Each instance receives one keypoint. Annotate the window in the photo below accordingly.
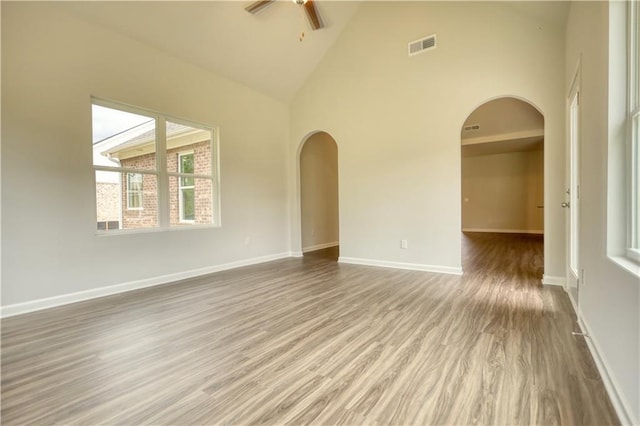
(187, 188)
(103, 226)
(152, 171)
(190, 166)
(134, 191)
(633, 130)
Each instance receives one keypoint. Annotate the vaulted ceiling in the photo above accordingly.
(262, 51)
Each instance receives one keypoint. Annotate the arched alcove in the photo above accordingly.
(319, 218)
(502, 146)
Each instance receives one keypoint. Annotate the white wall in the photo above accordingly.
(51, 64)
(319, 191)
(609, 296)
(502, 192)
(398, 119)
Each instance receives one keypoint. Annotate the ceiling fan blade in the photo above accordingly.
(311, 11)
(257, 6)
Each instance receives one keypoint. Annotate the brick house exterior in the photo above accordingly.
(203, 188)
(148, 215)
(107, 195)
(190, 203)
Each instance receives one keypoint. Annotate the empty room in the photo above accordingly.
(320, 212)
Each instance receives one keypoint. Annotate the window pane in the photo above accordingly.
(186, 181)
(112, 198)
(107, 198)
(635, 184)
(187, 204)
(190, 204)
(134, 190)
(186, 163)
(188, 149)
(635, 54)
(123, 139)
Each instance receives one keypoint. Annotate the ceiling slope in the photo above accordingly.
(265, 51)
(262, 51)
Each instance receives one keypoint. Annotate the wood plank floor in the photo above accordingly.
(310, 341)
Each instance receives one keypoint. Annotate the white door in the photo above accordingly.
(572, 203)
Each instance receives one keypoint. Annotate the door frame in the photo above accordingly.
(572, 185)
(545, 185)
(296, 240)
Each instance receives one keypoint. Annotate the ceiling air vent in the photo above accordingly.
(472, 127)
(422, 45)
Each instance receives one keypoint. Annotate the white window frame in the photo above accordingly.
(161, 173)
(633, 131)
(139, 191)
(181, 218)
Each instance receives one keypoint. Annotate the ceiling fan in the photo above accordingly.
(309, 7)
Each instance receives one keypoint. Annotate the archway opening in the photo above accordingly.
(319, 208)
(502, 146)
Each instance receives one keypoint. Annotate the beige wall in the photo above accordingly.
(52, 63)
(609, 297)
(319, 191)
(502, 192)
(398, 119)
(503, 116)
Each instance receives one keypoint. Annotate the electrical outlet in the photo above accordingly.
(247, 241)
(313, 232)
(403, 244)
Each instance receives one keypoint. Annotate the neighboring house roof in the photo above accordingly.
(150, 133)
(140, 140)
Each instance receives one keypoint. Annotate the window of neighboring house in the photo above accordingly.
(192, 170)
(142, 155)
(186, 190)
(134, 191)
(633, 126)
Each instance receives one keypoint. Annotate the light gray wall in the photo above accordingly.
(609, 295)
(51, 64)
(502, 192)
(398, 119)
(319, 191)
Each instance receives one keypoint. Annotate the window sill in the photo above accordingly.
(184, 227)
(127, 232)
(634, 255)
(627, 264)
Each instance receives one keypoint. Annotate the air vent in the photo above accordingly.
(422, 45)
(472, 127)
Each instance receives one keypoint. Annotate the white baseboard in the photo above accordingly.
(401, 265)
(620, 404)
(550, 280)
(319, 247)
(64, 299)
(505, 231)
(295, 254)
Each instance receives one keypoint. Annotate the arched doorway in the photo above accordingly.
(319, 219)
(502, 146)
